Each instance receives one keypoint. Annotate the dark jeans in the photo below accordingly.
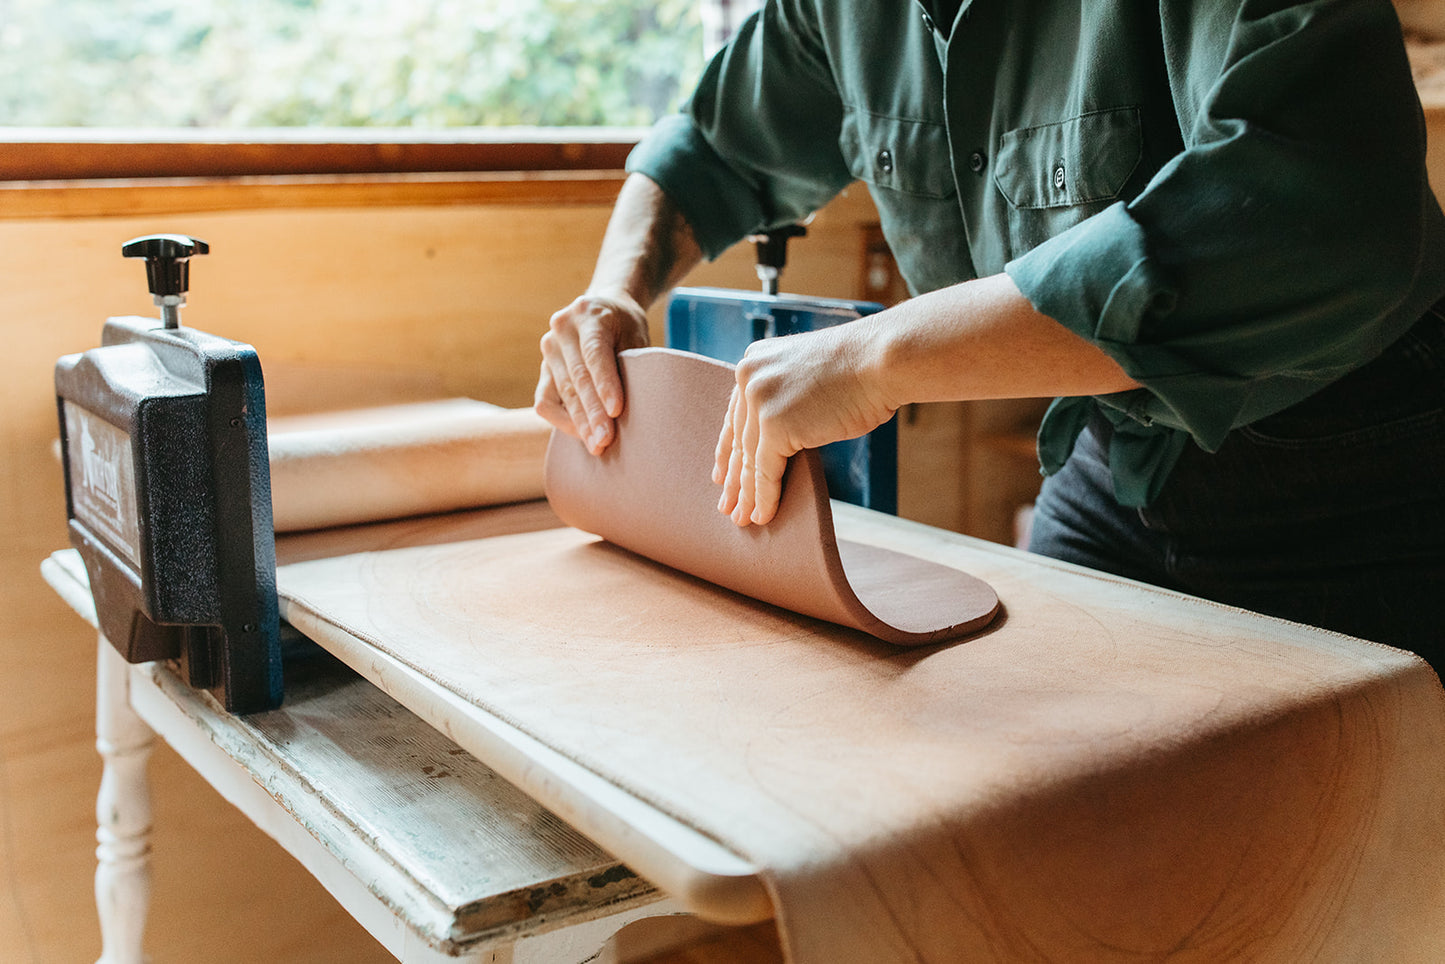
(1330, 513)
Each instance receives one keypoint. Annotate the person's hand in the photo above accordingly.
(793, 393)
(579, 390)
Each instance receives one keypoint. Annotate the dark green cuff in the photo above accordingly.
(719, 206)
(1097, 280)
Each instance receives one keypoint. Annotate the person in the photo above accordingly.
(1204, 226)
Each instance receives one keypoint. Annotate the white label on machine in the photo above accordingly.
(102, 480)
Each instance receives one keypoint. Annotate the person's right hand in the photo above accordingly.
(579, 390)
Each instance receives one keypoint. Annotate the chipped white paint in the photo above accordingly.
(435, 855)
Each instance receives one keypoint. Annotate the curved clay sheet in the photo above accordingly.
(652, 492)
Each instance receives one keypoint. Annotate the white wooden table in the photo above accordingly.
(435, 854)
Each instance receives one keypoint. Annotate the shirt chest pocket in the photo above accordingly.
(905, 164)
(897, 154)
(1055, 175)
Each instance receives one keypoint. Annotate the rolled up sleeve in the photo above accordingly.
(1292, 240)
(718, 205)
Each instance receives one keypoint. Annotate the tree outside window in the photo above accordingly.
(281, 63)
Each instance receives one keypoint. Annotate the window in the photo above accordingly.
(386, 63)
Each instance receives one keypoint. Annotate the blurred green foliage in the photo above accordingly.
(401, 63)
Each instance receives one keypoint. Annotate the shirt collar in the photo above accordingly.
(940, 15)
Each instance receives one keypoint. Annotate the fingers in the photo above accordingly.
(723, 453)
(548, 404)
(599, 357)
(747, 446)
(748, 463)
(767, 480)
(569, 385)
(585, 395)
(730, 455)
(579, 389)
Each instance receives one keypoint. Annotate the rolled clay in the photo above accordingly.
(651, 492)
(364, 465)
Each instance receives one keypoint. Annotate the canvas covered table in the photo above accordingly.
(1112, 772)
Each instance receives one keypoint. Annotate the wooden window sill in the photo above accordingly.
(70, 153)
(81, 172)
(161, 196)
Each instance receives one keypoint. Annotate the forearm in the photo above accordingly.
(980, 339)
(647, 249)
(648, 246)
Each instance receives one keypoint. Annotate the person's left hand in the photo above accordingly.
(793, 393)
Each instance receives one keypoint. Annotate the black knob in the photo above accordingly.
(773, 245)
(168, 259)
(168, 269)
(773, 253)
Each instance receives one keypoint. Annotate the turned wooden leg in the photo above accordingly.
(122, 813)
(588, 943)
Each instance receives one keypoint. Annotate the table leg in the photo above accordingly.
(587, 943)
(122, 813)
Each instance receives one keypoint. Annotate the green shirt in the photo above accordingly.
(1229, 197)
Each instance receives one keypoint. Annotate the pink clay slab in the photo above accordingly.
(652, 492)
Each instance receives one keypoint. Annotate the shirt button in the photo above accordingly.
(976, 161)
(1059, 177)
(885, 161)
(928, 22)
